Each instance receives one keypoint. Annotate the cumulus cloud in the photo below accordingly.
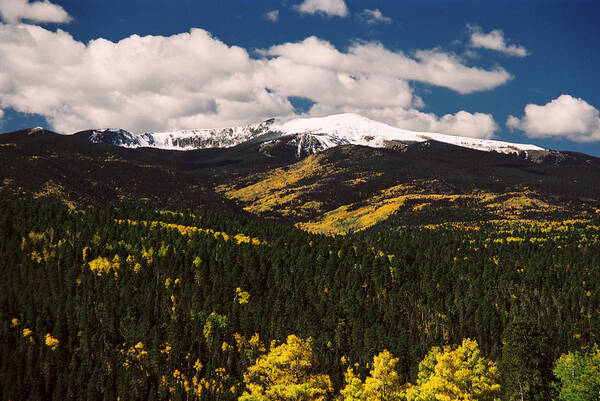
(476, 125)
(193, 80)
(14, 11)
(374, 17)
(564, 117)
(330, 8)
(494, 40)
(1, 116)
(272, 16)
(429, 66)
(138, 83)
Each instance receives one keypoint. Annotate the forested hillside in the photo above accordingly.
(342, 189)
(124, 302)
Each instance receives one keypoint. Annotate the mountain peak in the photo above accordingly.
(360, 130)
(326, 132)
(348, 120)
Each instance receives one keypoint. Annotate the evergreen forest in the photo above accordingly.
(130, 302)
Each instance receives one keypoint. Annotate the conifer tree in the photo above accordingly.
(526, 364)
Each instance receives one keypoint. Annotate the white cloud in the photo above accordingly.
(272, 16)
(429, 66)
(330, 8)
(138, 83)
(564, 117)
(14, 11)
(1, 116)
(374, 17)
(494, 40)
(476, 125)
(336, 88)
(193, 80)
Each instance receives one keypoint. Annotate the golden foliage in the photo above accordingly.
(281, 190)
(192, 230)
(242, 297)
(51, 341)
(382, 384)
(102, 266)
(286, 373)
(278, 179)
(380, 207)
(460, 374)
(55, 190)
(287, 192)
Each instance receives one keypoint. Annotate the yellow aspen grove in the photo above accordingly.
(383, 382)
(354, 388)
(460, 374)
(102, 265)
(287, 372)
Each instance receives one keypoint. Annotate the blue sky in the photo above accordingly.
(206, 81)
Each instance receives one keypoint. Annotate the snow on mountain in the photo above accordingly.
(309, 135)
(207, 138)
(359, 130)
(181, 140)
(115, 136)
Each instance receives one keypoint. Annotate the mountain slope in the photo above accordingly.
(350, 188)
(339, 189)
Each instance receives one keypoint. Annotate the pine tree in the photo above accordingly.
(526, 365)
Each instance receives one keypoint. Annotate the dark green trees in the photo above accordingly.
(526, 364)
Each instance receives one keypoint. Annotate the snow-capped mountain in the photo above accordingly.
(308, 135)
(358, 130)
(180, 140)
(115, 136)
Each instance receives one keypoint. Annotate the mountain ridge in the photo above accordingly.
(309, 135)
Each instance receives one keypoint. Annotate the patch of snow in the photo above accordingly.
(35, 130)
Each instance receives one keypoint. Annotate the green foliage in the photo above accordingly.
(526, 364)
(214, 323)
(579, 375)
